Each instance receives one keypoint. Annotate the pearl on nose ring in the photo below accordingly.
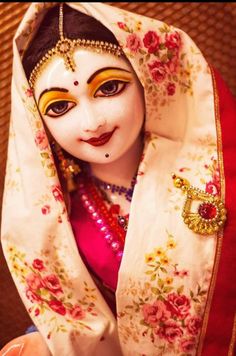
(107, 155)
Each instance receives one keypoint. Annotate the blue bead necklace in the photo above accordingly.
(113, 188)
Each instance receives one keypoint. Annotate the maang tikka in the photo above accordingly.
(65, 48)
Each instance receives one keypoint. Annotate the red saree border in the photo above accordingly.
(219, 235)
(232, 342)
(219, 329)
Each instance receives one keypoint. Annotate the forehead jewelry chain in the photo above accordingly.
(61, 22)
(65, 48)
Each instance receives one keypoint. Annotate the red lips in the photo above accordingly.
(101, 140)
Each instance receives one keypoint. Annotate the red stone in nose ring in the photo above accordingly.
(107, 155)
(76, 82)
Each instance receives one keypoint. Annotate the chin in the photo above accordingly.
(97, 155)
(102, 159)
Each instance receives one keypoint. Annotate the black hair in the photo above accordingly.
(75, 25)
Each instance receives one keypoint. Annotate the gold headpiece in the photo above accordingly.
(65, 48)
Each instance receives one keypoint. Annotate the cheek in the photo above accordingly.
(127, 108)
(132, 111)
(60, 130)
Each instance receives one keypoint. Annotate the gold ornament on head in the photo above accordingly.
(65, 48)
(211, 214)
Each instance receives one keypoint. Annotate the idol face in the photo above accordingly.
(95, 113)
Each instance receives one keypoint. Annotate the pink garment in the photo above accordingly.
(93, 248)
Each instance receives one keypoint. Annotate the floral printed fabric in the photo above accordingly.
(49, 291)
(170, 314)
(163, 285)
(160, 54)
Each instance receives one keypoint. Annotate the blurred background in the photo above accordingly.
(213, 28)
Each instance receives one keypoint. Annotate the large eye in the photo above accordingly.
(110, 88)
(59, 108)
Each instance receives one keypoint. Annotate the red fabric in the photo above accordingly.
(94, 250)
(223, 307)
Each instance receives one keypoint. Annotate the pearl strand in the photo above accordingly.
(113, 234)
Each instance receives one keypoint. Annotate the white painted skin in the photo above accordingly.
(92, 114)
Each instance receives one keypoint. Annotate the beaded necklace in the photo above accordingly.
(108, 221)
(113, 188)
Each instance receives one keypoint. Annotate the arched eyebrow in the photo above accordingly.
(102, 70)
(53, 89)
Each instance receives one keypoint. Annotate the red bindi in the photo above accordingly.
(76, 82)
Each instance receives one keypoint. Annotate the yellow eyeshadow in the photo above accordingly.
(53, 97)
(107, 75)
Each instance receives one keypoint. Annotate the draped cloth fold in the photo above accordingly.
(174, 286)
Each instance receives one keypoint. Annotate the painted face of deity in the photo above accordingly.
(99, 108)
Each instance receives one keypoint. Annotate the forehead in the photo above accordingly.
(87, 62)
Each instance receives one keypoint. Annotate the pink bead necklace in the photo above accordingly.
(111, 225)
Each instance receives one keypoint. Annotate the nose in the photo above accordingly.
(91, 121)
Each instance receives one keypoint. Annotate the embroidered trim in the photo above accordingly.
(220, 234)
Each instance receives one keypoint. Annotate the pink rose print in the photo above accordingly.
(77, 312)
(172, 64)
(170, 89)
(133, 42)
(193, 325)
(181, 274)
(172, 41)
(29, 92)
(157, 70)
(154, 313)
(183, 169)
(170, 331)
(41, 139)
(46, 209)
(34, 281)
(57, 193)
(151, 41)
(38, 264)
(216, 176)
(122, 26)
(45, 291)
(33, 297)
(187, 345)
(52, 283)
(57, 306)
(212, 188)
(36, 312)
(178, 305)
